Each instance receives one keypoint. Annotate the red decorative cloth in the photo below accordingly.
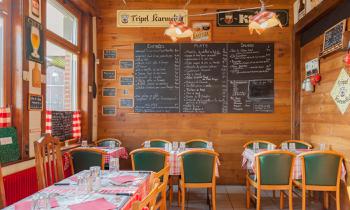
(262, 17)
(5, 117)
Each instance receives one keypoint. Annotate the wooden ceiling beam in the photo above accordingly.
(87, 6)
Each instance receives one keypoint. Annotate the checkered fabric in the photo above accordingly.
(76, 130)
(261, 17)
(5, 117)
(118, 152)
(48, 120)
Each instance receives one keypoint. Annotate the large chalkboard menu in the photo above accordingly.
(204, 78)
(62, 125)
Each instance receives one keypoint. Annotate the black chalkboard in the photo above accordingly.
(108, 74)
(35, 102)
(62, 125)
(333, 37)
(204, 78)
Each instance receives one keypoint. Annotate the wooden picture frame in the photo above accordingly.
(111, 112)
(31, 106)
(103, 76)
(109, 91)
(339, 44)
(124, 103)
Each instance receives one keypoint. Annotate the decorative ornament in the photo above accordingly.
(341, 91)
(178, 30)
(347, 58)
(263, 20)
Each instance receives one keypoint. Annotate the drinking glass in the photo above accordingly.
(84, 143)
(147, 144)
(182, 145)
(284, 146)
(292, 147)
(323, 147)
(95, 171)
(114, 165)
(256, 147)
(35, 41)
(41, 202)
(112, 145)
(210, 145)
(175, 145)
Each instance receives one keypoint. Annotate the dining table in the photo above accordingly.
(248, 162)
(116, 190)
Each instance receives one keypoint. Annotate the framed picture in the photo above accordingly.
(299, 10)
(34, 43)
(126, 80)
(333, 38)
(202, 31)
(109, 54)
(126, 64)
(126, 103)
(35, 102)
(109, 110)
(312, 67)
(35, 10)
(109, 91)
(108, 75)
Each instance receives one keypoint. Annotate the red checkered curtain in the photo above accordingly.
(76, 124)
(48, 126)
(5, 117)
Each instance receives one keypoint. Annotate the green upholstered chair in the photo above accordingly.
(298, 144)
(148, 159)
(106, 142)
(197, 143)
(83, 158)
(262, 144)
(158, 143)
(321, 171)
(274, 171)
(198, 171)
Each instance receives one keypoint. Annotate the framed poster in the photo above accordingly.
(299, 10)
(126, 103)
(333, 38)
(312, 67)
(109, 91)
(35, 102)
(202, 31)
(35, 10)
(108, 74)
(34, 40)
(109, 54)
(126, 64)
(126, 80)
(109, 110)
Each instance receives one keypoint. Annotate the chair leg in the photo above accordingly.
(281, 200)
(247, 194)
(325, 200)
(303, 203)
(171, 190)
(337, 198)
(208, 199)
(179, 195)
(183, 192)
(274, 194)
(290, 198)
(163, 206)
(213, 197)
(258, 199)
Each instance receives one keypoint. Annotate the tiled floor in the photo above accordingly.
(233, 197)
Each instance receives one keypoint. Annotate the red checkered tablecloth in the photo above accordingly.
(248, 162)
(118, 152)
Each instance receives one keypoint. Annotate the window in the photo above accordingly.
(4, 57)
(62, 56)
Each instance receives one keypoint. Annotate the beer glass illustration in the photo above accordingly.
(35, 39)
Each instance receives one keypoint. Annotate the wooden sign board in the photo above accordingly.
(126, 64)
(333, 38)
(109, 54)
(108, 74)
(34, 40)
(126, 81)
(35, 102)
(126, 103)
(109, 91)
(202, 31)
(109, 110)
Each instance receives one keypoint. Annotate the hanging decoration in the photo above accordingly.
(347, 58)
(263, 20)
(178, 30)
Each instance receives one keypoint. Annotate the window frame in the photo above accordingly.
(66, 45)
(5, 13)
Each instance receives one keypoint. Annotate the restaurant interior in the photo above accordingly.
(174, 104)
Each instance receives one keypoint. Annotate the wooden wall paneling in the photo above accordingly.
(227, 131)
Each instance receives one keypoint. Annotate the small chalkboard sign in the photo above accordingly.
(35, 102)
(109, 91)
(126, 64)
(126, 81)
(109, 110)
(108, 74)
(109, 54)
(126, 103)
(333, 38)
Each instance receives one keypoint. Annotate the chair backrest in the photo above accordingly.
(274, 167)
(198, 166)
(262, 144)
(2, 191)
(148, 159)
(83, 158)
(163, 175)
(48, 161)
(106, 142)
(158, 142)
(298, 144)
(197, 143)
(149, 202)
(321, 168)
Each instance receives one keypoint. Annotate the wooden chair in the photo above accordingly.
(48, 161)
(274, 171)
(197, 143)
(163, 176)
(149, 202)
(262, 144)
(157, 143)
(2, 191)
(83, 158)
(321, 171)
(106, 142)
(198, 171)
(298, 144)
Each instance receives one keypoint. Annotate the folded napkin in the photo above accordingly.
(27, 205)
(123, 179)
(100, 204)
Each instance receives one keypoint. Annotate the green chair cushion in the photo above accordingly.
(9, 152)
(321, 169)
(275, 169)
(262, 145)
(196, 144)
(198, 167)
(149, 161)
(157, 143)
(83, 160)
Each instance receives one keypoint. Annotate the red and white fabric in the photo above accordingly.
(118, 152)
(48, 120)
(248, 162)
(5, 117)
